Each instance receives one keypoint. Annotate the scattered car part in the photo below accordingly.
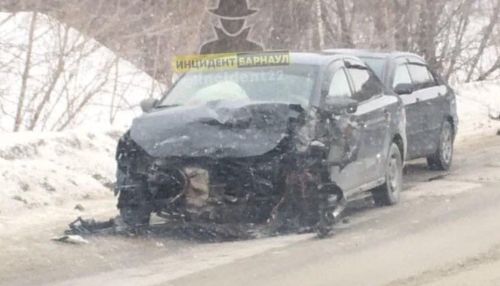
(91, 226)
(71, 239)
(439, 177)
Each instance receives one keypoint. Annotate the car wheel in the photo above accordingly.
(389, 192)
(135, 216)
(441, 160)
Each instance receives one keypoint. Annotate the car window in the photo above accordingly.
(339, 85)
(421, 76)
(434, 79)
(365, 83)
(376, 64)
(401, 76)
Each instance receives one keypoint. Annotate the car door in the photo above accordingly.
(345, 131)
(374, 111)
(415, 118)
(430, 96)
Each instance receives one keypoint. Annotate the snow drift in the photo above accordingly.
(478, 105)
(42, 169)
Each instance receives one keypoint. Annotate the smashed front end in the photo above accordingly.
(227, 163)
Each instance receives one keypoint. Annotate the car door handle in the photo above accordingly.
(360, 123)
(387, 114)
(418, 99)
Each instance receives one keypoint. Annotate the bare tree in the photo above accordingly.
(150, 32)
(345, 31)
(25, 76)
(55, 86)
(486, 35)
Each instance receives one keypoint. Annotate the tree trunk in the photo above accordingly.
(484, 41)
(345, 33)
(24, 80)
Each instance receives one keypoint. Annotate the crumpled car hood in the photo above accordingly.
(220, 129)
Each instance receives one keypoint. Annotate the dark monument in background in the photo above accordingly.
(232, 35)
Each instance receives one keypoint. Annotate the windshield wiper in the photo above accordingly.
(166, 106)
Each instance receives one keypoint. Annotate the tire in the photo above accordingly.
(389, 193)
(135, 216)
(134, 208)
(442, 159)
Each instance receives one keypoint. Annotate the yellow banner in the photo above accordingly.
(216, 62)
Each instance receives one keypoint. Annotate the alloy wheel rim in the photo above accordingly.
(393, 176)
(446, 145)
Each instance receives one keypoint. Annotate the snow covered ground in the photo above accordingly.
(49, 169)
(478, 103)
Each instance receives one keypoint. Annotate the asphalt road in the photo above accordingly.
(446, 231)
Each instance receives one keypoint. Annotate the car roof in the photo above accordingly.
(318, 59)
(372, 53)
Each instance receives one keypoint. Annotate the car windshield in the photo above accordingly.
(293, 84)
(376, 64)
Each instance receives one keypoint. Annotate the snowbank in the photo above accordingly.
(42, 169)
(478, 103)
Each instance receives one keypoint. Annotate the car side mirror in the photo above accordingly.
(148, 104)
(403, 88)
(338, 105)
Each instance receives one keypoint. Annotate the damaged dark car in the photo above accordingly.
(282, 146)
